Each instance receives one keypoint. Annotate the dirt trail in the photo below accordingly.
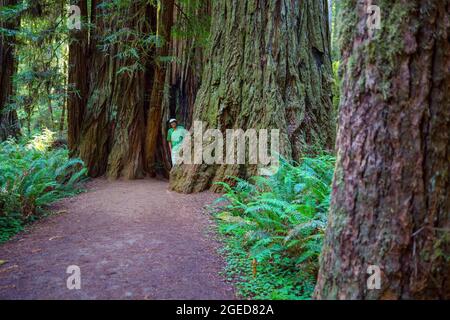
(131, 240)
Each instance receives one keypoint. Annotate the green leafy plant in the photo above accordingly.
(279, 222)
(32, 175)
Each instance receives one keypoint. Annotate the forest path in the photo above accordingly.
(131, 240)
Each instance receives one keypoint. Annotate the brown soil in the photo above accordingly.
(131, 240)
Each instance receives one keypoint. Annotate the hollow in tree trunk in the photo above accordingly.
(153, 135)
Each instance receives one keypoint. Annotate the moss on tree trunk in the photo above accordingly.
(390, 202)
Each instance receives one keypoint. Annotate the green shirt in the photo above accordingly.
(176, 136)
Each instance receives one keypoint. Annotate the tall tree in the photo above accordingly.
(9, 124)
(112, 137)
(390, 202)
(269, 67)
(78, 76)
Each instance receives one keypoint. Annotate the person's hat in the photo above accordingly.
(172, 120)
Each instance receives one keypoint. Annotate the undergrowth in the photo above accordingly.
(273, 229)
(32, 176)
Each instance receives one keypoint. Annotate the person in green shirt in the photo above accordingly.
(175, 138)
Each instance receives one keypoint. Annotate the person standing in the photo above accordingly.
(175, 138)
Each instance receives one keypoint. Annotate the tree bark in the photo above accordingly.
(113, 130)
(269, 68)
(9, 124)
(390, 201)
(78, 78)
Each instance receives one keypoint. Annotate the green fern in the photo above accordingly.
(31, 177)
(281, 216)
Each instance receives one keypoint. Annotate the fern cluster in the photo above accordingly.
(280, 220)
(32, 175)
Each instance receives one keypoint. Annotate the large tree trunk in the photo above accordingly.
(78, 77)
(9, 124)
(113, 130)
(269, 67)
(390, 202)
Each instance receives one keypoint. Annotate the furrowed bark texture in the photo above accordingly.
(269, 68)
(390, 200)
(78, 78)
(9, 124)
(113, 137)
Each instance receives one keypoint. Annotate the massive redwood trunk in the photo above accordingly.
(390, 202)
(78, 77)
(9, 124)
(269, 67)
(112, 138)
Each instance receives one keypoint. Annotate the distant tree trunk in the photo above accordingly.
(113, 128)
(62, 118)
(154, 118)
(65, 100)
(28, 107)
(390, 202)
(49, 105)
(78, 78)
(9, 124)
(269, 67)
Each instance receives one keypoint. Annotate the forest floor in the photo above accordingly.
(130, 239)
